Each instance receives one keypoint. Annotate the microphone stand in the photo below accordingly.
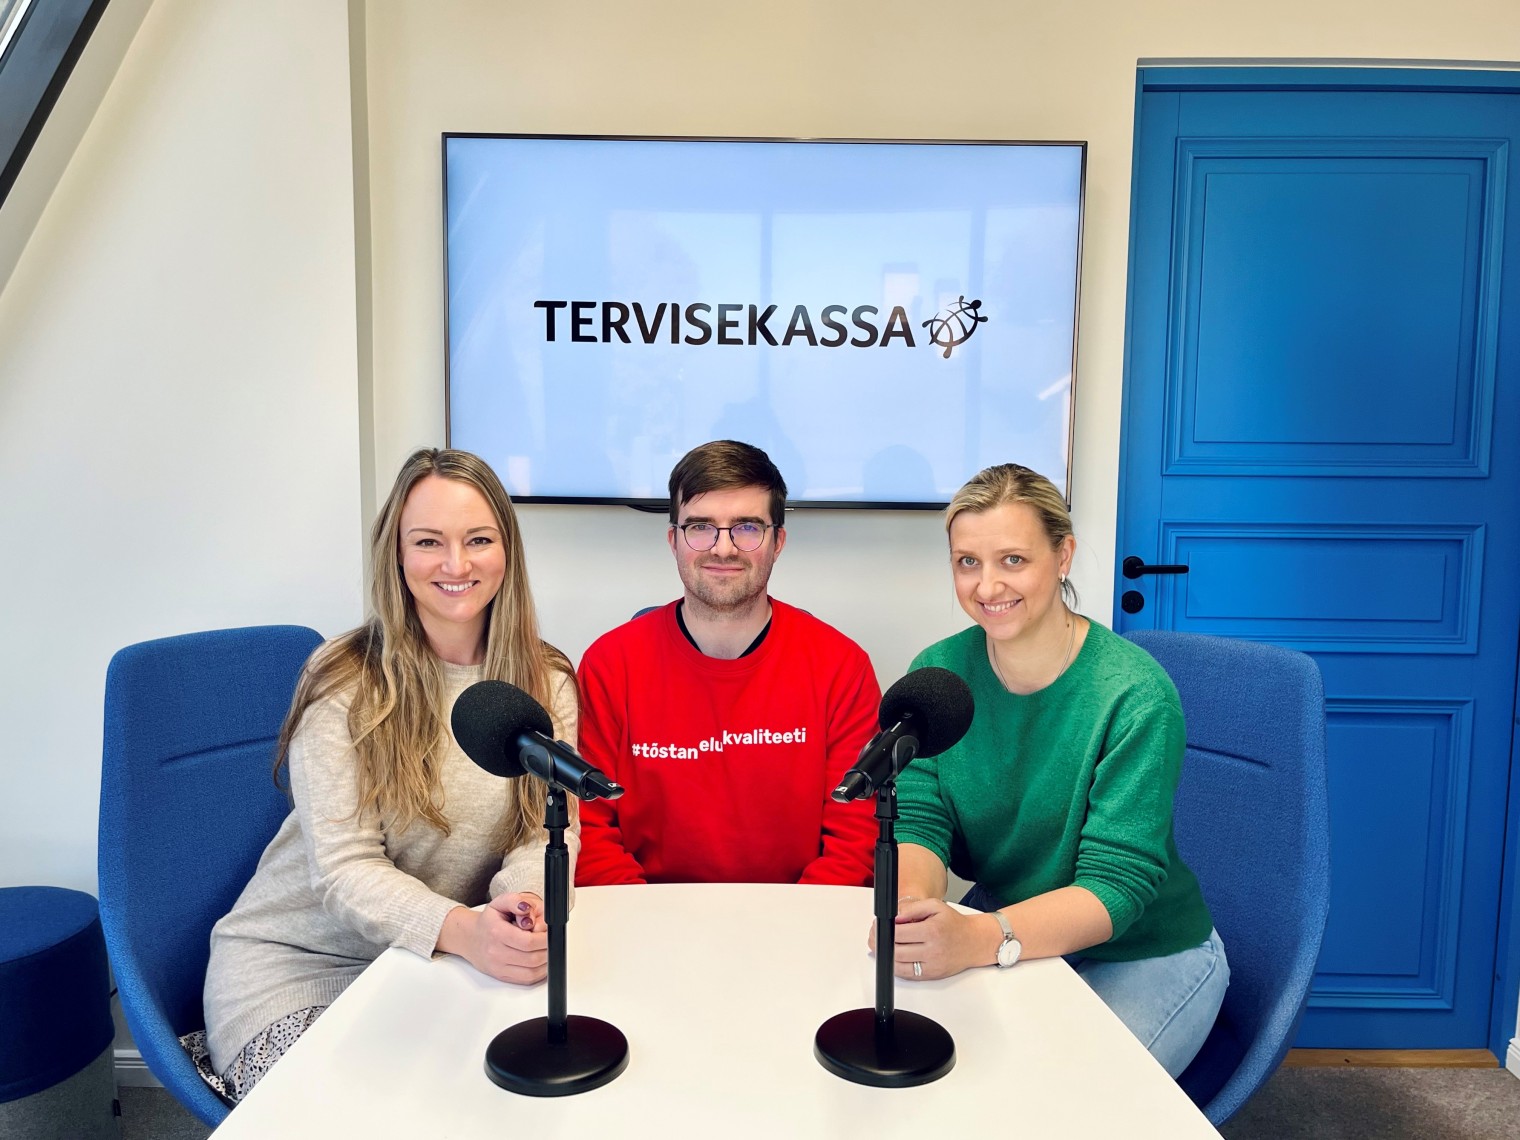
(886, 1047)
(560, 1054)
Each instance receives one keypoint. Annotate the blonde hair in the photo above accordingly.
(400, 735)
(1005, 483)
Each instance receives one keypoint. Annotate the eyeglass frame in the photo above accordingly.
(718, 530)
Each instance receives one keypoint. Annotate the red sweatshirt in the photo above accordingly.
(728, 764)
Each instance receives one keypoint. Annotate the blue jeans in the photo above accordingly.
(1169, 1003)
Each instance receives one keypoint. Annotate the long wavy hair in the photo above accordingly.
(400, 734)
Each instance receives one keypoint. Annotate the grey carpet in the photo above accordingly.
(152, 1114)
(1296, 1104)
(77, 1108)
(1382, 1104)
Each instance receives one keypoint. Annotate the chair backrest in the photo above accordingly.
(187, 806)
(1252, 821)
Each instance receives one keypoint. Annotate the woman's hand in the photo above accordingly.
(495, 942)
(871, 935)
(940, 939)
(524, 908)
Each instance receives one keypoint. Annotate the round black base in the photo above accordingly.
(522, 1060)
(910, 1050)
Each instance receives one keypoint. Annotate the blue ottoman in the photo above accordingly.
(56, 1075)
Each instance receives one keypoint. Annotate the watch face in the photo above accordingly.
(1008, 952)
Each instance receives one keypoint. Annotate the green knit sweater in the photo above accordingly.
(1071, 784)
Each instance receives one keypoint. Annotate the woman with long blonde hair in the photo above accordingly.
(394, 834)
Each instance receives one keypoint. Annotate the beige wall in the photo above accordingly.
(178, 435)
(844, 69)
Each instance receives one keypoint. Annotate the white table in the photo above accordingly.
(719, 989)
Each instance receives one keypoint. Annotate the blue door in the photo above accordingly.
(1321, 402)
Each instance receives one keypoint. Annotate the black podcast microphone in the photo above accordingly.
(925, 713)
(508, 733)
(930, 707)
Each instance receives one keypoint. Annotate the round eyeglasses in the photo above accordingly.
(745, 536)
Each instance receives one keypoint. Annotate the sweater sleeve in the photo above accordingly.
(923, 815)
(522, 868)
(846, 857)
(604, 700)
(345, 849)
(1122, 850)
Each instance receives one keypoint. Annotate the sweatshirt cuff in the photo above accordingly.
(524, 871)
(419, 933)
(516, 877)
(906, 835)
(1122, 910)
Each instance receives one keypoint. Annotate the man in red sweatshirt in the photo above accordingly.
(727, 714)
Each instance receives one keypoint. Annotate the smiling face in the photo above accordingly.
(453, 559)
(726, 578)
(1007, 572)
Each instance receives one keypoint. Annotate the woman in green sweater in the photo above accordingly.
(1058, 801)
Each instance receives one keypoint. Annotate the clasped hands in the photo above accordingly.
(507, 939)
(941, 939)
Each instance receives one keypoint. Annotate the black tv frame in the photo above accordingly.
(662, 505)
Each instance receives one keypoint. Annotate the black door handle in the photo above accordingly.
(1134, 567)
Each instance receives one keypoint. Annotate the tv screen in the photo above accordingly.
(883, 318)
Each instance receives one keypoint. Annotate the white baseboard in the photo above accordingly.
(133, 1073)
(1512, 1056)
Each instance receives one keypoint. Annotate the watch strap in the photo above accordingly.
(1002, 920)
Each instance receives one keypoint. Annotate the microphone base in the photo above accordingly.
(522, 1059)
(908, 1050)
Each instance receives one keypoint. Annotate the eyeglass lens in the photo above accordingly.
(744, 536)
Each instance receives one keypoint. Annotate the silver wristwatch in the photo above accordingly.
(1008, 953)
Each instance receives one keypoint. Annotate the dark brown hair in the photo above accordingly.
(723, 465)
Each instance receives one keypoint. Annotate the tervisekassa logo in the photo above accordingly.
(699, 323)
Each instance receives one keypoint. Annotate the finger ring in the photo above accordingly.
(918, 969)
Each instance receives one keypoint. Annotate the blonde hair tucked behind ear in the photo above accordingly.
(399, 733)
(996, 486)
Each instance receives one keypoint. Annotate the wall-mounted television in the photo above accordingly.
(884, 318)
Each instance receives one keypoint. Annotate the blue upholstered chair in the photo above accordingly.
(187, 805)
(1252, 821)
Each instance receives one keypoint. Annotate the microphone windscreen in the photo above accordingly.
(488, 718)
(938, 702)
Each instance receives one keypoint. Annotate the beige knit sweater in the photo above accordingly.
(332, 891)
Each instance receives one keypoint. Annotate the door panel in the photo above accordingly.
(1337, 231)
(1414, 751)
(1324, 342)
(1308, 585)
